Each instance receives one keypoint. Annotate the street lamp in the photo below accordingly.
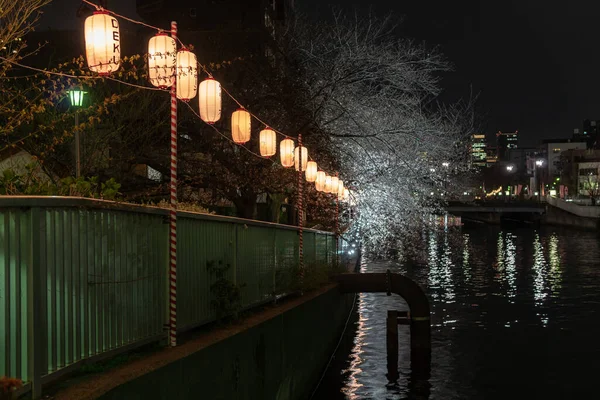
(510, 168)
(539, 163)
(76, 98)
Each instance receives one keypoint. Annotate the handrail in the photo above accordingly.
(84, 202)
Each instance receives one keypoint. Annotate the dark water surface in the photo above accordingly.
(515, 315)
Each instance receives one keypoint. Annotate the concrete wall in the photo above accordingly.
(573, 208)
(563, 213)
(281, 359)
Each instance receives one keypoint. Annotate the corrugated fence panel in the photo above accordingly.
(286, 267)
(14, 258)
(202, 246)
(102, 275)
(105, 281)
(255, 260)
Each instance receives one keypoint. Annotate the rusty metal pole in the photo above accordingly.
(392, 344)
(300, 211)
(337, 228)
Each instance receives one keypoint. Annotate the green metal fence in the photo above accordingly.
(81, 279)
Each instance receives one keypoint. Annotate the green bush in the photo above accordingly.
(34, 182)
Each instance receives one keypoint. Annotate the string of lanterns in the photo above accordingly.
(166, 63)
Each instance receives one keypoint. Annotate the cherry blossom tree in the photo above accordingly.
(374, 95)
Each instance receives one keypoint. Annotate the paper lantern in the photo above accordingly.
(268, 142)
(311, 171)
(334, 185)
(162, 58)
(187, 75)
(320, 182)
(304, 151)
(286, 152)
(340, 189)
(102, 43)
(240, 126)
(209, 100)
(327, 188)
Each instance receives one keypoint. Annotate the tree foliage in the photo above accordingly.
(374, 95)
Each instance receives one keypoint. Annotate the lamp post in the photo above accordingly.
(510, 169)
(538, 164)
(76, 98)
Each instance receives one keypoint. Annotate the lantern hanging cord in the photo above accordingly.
(81, 77)
(226, 137)
(229, 139)
(183, 45)
(207, 72)
(99, 8)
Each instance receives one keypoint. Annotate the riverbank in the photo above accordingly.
(277, 353)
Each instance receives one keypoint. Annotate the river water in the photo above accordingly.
(515, 315)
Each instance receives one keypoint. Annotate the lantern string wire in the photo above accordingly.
(201, 66)
(99, 8)
(242, 106)
(81, 77)
(231, 140)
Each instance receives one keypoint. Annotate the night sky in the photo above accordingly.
(534, 63)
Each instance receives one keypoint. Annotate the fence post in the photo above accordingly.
(274, 244)
(36, 331)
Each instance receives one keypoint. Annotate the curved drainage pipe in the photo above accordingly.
(417, 318)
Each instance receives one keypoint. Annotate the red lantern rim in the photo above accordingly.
(161, 33)
(101, 12)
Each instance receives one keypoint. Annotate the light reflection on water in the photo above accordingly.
(515, 314)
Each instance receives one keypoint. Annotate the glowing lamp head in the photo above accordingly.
(76, 97)
(209, 100)
(102, 43)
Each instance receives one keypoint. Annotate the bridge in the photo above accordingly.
(497, 212)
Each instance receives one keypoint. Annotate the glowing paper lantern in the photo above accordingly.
(297, 152)
(311, 171)
(240, 126)
(286, 152)
(209, 100)
(102, 43)
(187, 75)
(328, 185)
(162, 58)
(320, 182)
(340, 189)
(268, 142)
(334, 184)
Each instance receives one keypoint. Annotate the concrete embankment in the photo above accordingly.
(563, 213)
(278, 353)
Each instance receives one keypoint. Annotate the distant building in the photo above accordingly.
(589, 133)
(519, 157)
(570, 161)
(587, 179)
(506, 141)
(491, 153)
(477, 151)
(553, 148)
